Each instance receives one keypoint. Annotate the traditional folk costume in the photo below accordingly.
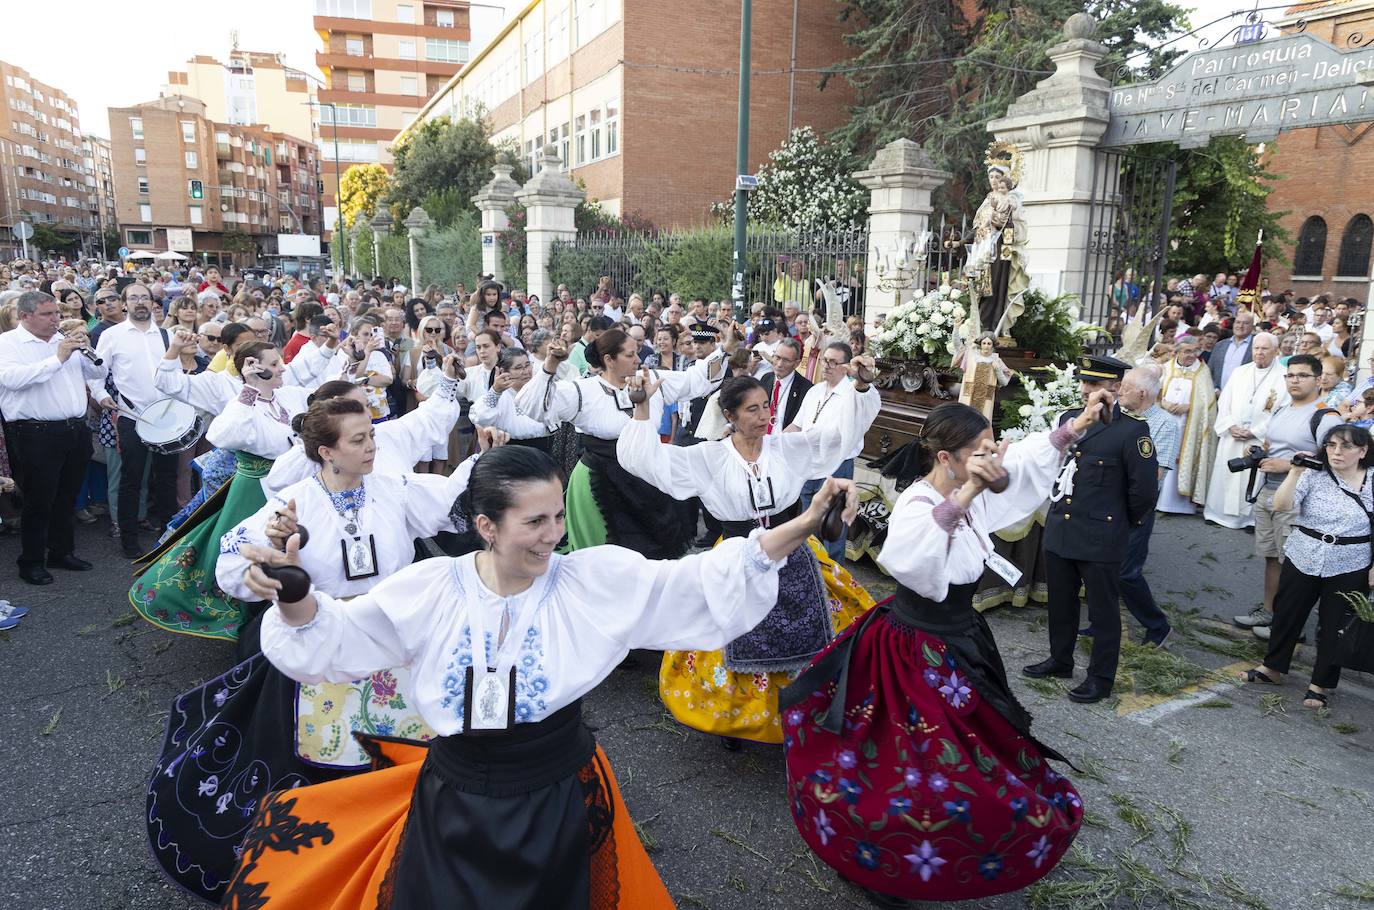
(910, 764)
(1250, 398)
(1190, 386)
(176, 590)
(733, 692)
(606, 503)
(253, 730)
(514, 808)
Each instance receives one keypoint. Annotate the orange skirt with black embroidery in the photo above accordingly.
(361, 843)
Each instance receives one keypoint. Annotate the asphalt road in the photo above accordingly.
(1237, 798)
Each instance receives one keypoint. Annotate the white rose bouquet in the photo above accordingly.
(923, 328)
(1049, 397)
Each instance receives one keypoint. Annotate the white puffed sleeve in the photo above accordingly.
(385, 628)
(1032, 464)
(310, 367)
(230, 566)
(411, 437)
(548, 399)
(292, 466)
(246, 427)
(498, 409)
(208, 392)
(702, 601)
(681, 472)
(929, 544)
(429, 498)
(697, 380)
(818, 450)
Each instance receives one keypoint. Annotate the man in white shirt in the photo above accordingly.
(43, 398)
(768, 333)
(614, 309)
(132, 350)
(1320, 323)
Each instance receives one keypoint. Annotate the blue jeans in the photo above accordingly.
(809, 489)
(1135, 590)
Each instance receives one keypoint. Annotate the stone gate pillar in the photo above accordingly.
(899, 181)
(550, 199)
(1058, 125)
(492, 200)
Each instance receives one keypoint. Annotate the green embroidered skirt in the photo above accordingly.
(176, 589)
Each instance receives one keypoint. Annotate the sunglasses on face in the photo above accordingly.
(434, 331)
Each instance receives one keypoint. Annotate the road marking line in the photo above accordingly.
(1147, 711)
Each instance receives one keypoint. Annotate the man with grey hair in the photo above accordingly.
(1252, 395)
(43, 399)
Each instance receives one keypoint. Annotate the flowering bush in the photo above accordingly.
(923, 327)
(1046, 399)
(805, 184)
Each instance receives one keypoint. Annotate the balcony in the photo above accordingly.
(369, 62)
(222, 150)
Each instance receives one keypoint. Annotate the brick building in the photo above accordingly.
(382, 59)
(42, 178)
(640, 99)
(95, 157)
(253, 183)
(253, 88)
(1329, 205)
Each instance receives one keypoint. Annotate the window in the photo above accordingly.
(405, 13)
(197, 215)
(407, 50)
(191, 161)
(410, 85)
(344, 9)
(444, 18)
(140, 156)
(145, 212)
(534, 56)
(357, 82)
(612, 127)
(136, 124)
(445, 50)
(142, 186)
(188, 131)
(1311, 251)
(1354, 258)
(596, 132)
(563, 146)
(558, 33)
(580, 131)
(349, 115)
(353, 47)
(140, 238)
(592, 17)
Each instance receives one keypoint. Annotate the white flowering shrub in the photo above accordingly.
(1047, 398)
(805, 185)
(922, 328)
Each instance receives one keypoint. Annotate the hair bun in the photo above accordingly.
(298, 423)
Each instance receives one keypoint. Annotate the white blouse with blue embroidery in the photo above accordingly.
(418, 619)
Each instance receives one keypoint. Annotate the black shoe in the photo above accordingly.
(1160, 642)
(1048, 667)
(71, 562)
(36, 575)
(132, 548)
(1090, 690)
(1087, 632)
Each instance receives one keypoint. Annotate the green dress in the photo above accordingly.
(176, 589)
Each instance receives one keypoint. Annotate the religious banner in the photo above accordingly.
(1248, 293)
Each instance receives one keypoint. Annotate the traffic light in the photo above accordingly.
(197, 189)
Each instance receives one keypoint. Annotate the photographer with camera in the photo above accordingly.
(1327, 556)
(1294, 427)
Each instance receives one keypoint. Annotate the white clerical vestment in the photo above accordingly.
(1248, 400)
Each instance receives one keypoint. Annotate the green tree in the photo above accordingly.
(444, 154)
(929, 72)
(805, 184)
(46, 238)
(360, 190)
(1220, 199)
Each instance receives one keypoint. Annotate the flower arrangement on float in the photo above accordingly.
(1048, 397)
(923, 328)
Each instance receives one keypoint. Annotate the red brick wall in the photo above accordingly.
(679, 128)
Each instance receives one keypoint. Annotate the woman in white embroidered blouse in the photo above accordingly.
(1326, 557)
(501, 646)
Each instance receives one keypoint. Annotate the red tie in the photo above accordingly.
(773, 406)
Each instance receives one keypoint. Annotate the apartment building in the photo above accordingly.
(640, 99)
(252, 88)
(42, 177)
(382, 60)
(218, 191)
(100, 200)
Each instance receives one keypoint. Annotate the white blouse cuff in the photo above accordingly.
(320, 617)
(754, 556)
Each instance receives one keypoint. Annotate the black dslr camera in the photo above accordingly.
(1250, 461)
(1303, 460)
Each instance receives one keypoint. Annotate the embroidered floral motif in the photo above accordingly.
(234, 539)
(531, 682)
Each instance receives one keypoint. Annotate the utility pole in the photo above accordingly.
(741, 161)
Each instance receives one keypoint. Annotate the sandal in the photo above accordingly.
(1323, 698)
(1256, 675)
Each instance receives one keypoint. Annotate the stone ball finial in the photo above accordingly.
(1080, 25)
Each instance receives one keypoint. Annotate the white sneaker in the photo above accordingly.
(10, 611)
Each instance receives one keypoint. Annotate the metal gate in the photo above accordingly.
(1128, 231)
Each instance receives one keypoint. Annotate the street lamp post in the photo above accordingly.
(741, 162)
(338, 174)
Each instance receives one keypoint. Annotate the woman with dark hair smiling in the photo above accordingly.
(751, 479)
(917, 692)
(513, 805)
(1326, 558)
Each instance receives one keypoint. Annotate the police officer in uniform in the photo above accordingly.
(1108, 484)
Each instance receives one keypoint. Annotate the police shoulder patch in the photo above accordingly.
(1146, 447)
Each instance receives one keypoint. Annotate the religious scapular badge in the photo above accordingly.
(489, 690)
(489, 704)
(359, 557)
(1003, 567)
(761, 493)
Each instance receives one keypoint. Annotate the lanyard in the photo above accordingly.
(506, 648)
